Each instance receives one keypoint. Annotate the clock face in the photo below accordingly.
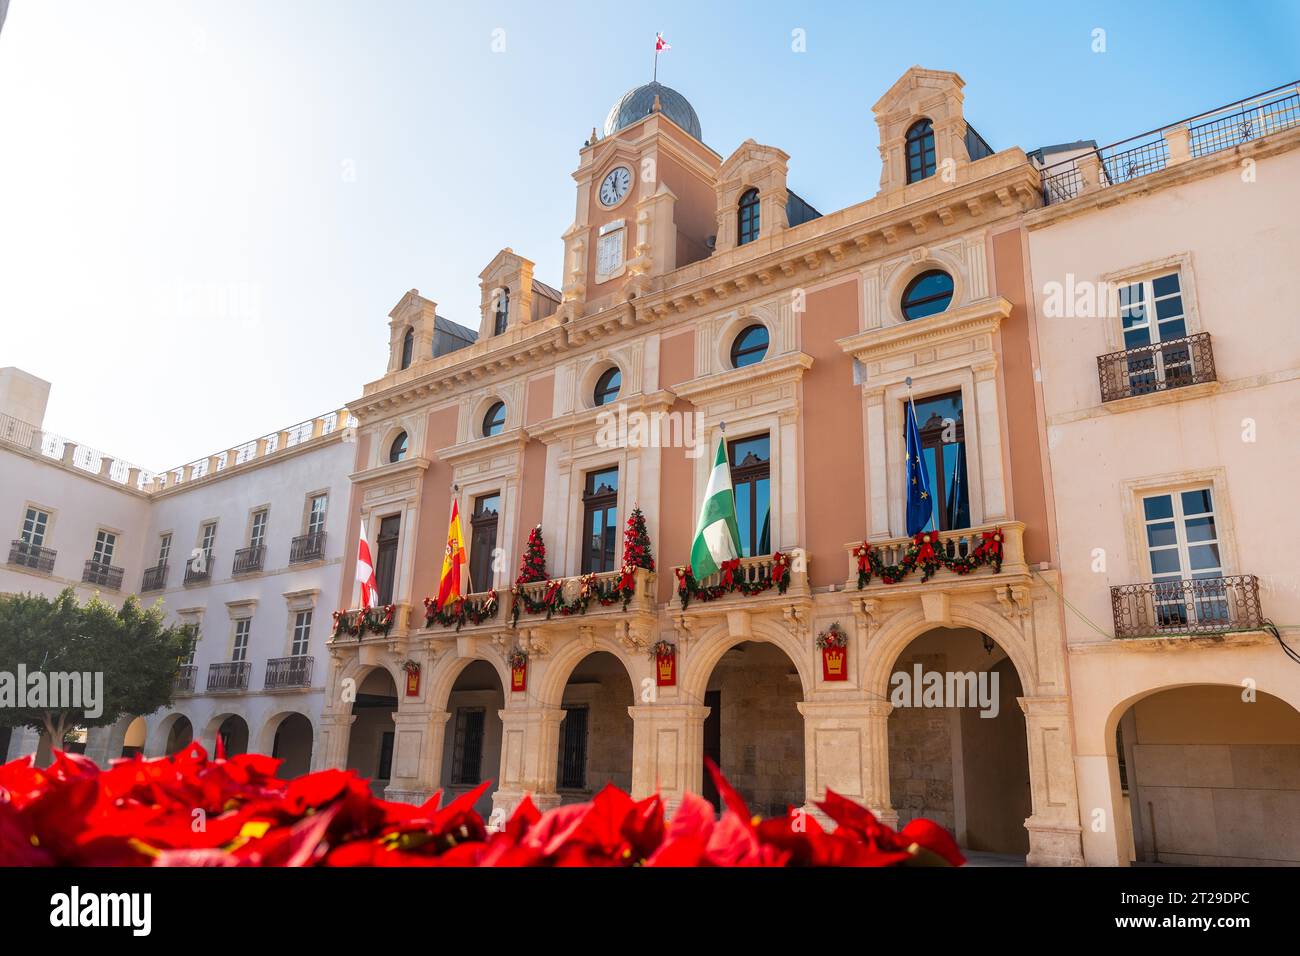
(616, 185)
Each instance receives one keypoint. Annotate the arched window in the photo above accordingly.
(927, 294)
(408, 346)
(607, 386)
(502, 320)
(494, 420)
(397, 450)
(747, 218)
(920, 151)
(750, 346)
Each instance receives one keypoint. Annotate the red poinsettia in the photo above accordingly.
(188, 810)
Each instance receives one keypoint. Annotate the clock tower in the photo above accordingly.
(646, 200)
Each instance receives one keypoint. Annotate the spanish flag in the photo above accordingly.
(453, 558)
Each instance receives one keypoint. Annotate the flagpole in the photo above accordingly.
(469, 583)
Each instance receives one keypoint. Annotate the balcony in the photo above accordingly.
(782, 574)
(155, 578)
(32, 556)
(186, 677)
(965, 557)
(1177, 363)
(284, 672)
(307, 547)
(103, 575)
(1202, 135)
(586, 595)
(248, 560)
(480, 608)
(229, 676)
(198, 570)
(1203, 606)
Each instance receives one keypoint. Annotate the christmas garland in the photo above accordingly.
(734, 579)
(833, 636)
(928, 553)
(590, 588)
(461, 611)
(376, 620)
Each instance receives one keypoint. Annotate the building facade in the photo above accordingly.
(243, 546)
(975, 676)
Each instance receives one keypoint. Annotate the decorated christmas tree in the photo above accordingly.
(532, 566)
(636, 543)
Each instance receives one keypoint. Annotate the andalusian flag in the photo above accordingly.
(452, 559)
(717, 538)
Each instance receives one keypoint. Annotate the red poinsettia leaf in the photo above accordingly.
(733, 843)
(930, 836)
(679, 851)
(693, 819)
(733, 800)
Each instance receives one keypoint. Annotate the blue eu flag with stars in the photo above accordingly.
(920, 506)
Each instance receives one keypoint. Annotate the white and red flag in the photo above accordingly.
(365, 570)
(660, 43)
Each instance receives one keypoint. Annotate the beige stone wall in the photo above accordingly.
(1213, 779)
(600, 684)
(761, 729)
(921, 756)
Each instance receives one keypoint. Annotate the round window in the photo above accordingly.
(397, 450)
(607, 386)
(927, 294)
(495, 419)
(749, 347)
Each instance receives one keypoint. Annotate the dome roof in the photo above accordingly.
(637, 103)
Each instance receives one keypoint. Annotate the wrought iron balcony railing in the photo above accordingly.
(289, 672)
(32, 556)
(185, 679)
(104, 575)
(248, 560)
(1200, 606)
(1200, 135)
(155, 578)
(1156, 368)
(230, 675)
(198, 570)
(307, 547)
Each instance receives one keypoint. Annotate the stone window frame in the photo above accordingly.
(49, 521)
(244, 609)
(1133, 490)
(296, 602)
(1180, 262)
(614, 226)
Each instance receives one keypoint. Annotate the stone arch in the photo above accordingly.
(591, 373)
(218, 720)
(266, 735)
(904, 627)
(442, 676)
(737, 323)
(161, 733)
(551, 682)
(705, 652)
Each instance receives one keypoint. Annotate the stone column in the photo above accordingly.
(530, 741)
(1104, 820)
(99, 741)
(1054, 830)
(23, 741)
(667, 751)
(416, 763)
(331, 751)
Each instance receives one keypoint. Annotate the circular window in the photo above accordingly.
(607, 386)
(927, 294)
(494, 420)
(397, 450)
(750, 346)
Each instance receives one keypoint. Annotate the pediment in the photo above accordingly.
(751, 152)
(917, 83)
(504, 262)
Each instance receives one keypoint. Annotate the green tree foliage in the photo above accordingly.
(133, 650)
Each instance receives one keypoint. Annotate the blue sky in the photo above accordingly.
(210, 207)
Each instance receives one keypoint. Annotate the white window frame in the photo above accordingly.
(105, 545)
(300, 632)
(164, 547)
(34, 515)
(243, 630)
(1181, 545)
(257, 527)
(311, 526)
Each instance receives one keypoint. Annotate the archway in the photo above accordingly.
(233, 732)
(6, 737)
(958, 748)
(754, 730)
(595, 738)
(291, 743)
(1210, 775)
(370, 745)
(471, 751)
(179, 735)
(133, 741)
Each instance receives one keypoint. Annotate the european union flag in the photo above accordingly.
(920, 506)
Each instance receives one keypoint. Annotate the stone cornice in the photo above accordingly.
(389, 471)
(786, 368)
(586, 420)
(984, 316)
(513, 440)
